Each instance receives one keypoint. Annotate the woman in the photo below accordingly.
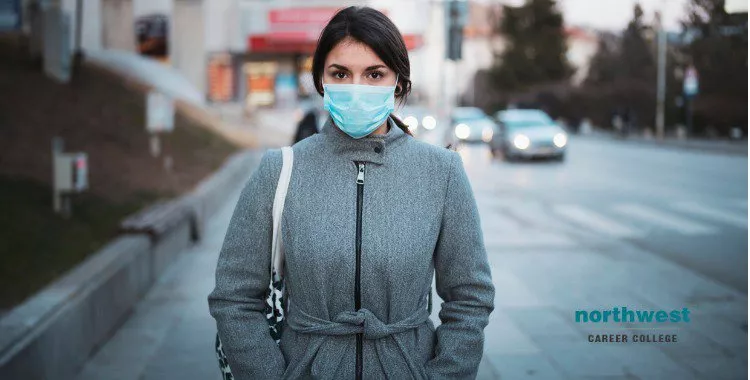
(370, 215)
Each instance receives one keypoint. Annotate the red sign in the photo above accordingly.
(275, 43)
(296, 16)
(296, 30)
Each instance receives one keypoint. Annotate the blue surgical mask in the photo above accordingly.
(359, 109)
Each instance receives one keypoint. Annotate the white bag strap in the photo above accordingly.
(277, 252)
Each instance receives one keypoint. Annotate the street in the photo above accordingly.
(614, 225)
(688, 207)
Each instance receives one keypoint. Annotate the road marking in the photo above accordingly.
(712, 213)
(679, 224)
(595, 221)
(496, 221)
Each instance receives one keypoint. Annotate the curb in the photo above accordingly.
(731, 148)
(53, 333)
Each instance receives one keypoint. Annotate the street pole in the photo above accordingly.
(457, 83)
(77, 54)
(442, 71)
(661, 79)
(57, 149)
(689, 115)
(690, 90)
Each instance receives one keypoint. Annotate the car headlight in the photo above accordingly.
(560, 140)
(462, 131)
(487, 133)
(521, 142)
(411, 122)
(429, 122)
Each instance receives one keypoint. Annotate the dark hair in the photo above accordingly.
(374, 29)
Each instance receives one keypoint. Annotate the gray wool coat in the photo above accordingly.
(419, 217)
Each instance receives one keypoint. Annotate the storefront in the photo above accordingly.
(276, 69)
(221, 78)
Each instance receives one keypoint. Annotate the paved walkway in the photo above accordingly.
(170, 334)
(274, 127)
(148, 71)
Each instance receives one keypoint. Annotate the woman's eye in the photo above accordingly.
(376, 75)
(339, 75)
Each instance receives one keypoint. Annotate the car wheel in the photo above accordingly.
(560, 157)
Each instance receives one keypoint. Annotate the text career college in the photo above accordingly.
(635, 338)
(640, 317)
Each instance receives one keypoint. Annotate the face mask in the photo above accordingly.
(358, 109)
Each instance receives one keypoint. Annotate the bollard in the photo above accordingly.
(681, 132)
(735, 133)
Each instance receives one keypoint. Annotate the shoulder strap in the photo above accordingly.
(277, 252)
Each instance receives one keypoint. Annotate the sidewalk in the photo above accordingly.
(723, 146)
(274, 127)
(170, 334)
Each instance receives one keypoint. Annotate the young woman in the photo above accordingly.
(370, 215)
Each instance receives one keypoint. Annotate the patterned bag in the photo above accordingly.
(276, 298)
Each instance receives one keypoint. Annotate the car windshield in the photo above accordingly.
(416, 112)
(521, 119)
(468, 114)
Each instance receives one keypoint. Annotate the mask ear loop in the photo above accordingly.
(395, 89)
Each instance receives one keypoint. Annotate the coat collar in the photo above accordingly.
(370, 149)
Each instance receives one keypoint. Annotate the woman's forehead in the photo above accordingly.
(354, 55)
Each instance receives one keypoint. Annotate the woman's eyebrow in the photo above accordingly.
(336, 66)
(370, 68)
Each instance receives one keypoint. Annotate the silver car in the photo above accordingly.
(418, 118)
(529, 133)
(471, 125)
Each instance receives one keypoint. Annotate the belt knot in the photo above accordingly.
(364, 319)
(353, 322)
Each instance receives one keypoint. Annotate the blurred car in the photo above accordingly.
(471, 125)
(529, 133)
(418, 118)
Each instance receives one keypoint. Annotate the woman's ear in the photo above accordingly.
(398, 89)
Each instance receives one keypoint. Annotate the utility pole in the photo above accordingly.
(661, 76)
(456, 19)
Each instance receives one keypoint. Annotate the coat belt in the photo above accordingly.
(396, 357)
(354, 322)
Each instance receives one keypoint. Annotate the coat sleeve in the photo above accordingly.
(463, 281)
(242, 277)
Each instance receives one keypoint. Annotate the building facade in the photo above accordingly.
(272, 67)
(258, 53)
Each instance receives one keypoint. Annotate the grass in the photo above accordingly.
(98, 113)
(38, 245)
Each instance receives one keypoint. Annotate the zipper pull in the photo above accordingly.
(361, 174)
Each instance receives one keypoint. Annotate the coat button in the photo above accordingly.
(378, 149)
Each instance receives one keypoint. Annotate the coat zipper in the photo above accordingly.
(357, 294)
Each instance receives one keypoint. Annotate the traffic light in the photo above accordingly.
(456, 19)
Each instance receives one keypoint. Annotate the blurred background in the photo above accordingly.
(606, 142)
